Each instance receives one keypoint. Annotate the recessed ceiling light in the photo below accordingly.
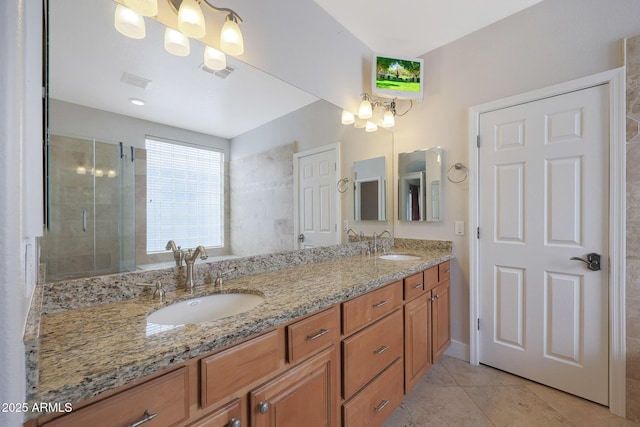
(136, 101)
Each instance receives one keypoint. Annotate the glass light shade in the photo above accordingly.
(176, 43)
(191, 19)
(214, 59)
(388, 120)
(347, 117)
(143, 7)
(231, 40)
(359, 123)
(366, 110)
(370, 127)
(129, 23)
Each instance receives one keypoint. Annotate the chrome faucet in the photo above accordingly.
(190, 259)
(178, 254)
(375, 241)
(355, 233)
(218, 281)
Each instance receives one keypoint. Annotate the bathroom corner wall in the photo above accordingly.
(261, 198)
(632, 62)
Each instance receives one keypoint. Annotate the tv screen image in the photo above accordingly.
(396, 77)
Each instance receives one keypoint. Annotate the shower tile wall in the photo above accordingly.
(262, 202)
(633, 228)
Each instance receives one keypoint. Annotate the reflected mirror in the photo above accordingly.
(370, 189)
(256, 121)
(419, 185)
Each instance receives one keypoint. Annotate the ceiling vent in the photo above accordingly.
(133, 80)
(223, 74)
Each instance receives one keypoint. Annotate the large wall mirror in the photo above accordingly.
(420, 185)
(98, 166)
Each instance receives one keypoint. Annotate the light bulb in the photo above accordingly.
(347, 117)
(231, 40)
(370, 127)
(143, 7)
(388, 120)
(191, 19)
(176, 43)
(366, 110)
(129, 23)
(214, 59)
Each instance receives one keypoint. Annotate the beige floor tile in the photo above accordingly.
(438, 375)
(515, 406)
(578, 411)
(467, 375)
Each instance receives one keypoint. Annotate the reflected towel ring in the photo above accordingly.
(342, 185)
(457, 173)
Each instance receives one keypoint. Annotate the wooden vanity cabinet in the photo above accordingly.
(230, 415)
(302, 396)
(441, 318)
(417, 340)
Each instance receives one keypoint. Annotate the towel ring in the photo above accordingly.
(343, 185)
(457, 173)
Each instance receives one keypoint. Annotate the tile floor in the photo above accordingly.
(455, 393)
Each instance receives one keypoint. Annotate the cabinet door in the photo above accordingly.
(230, 415)
(441, 320)
(303, 396)
(417, 340)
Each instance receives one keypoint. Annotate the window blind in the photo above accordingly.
(184, 196)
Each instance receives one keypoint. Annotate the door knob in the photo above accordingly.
(301, 238)
(592, 261)
(263, 407)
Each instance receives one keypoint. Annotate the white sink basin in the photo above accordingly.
(210, 307)
(399, 257)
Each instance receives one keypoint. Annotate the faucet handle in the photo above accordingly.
(158, 293)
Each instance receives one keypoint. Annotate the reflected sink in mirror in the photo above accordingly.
(399, 257)
(210, 307)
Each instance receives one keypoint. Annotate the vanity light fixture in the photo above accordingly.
(129, 20)
(365, 119)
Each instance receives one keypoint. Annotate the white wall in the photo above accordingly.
(551, 42)
(20, 167)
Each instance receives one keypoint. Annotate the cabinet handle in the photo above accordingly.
(380, 304)
(419, 285)
(448, 270)
(147, 417)
(437, 296)
(234, 423)
(318, 335)
(381, 349)
(263, 407)
(381, 406)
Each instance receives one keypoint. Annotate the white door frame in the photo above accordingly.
(617, 219)
(296, 188)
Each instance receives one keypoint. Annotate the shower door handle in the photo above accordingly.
(84, 220)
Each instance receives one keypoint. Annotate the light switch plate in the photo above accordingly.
(459, 228)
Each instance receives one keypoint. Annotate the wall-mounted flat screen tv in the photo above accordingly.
(396, 77)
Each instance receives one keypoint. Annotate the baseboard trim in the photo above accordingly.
(459, 350)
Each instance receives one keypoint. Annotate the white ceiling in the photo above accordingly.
(88, 58)
(415, 27)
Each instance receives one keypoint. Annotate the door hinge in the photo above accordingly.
(478, 233)
(478, 141)
(478, 323)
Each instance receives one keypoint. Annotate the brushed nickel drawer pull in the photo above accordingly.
(381, 349)
(380, 304)
(419, 285)
(234, 423)
(448, 270)
(147, 417)
(381, 406)
(318, 335)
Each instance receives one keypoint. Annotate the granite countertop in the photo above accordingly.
(87, 351)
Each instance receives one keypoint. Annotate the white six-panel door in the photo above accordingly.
(317, 198)
(543, 192)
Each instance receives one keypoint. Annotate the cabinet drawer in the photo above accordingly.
(368, 352)
(223, 417)
(376, 401)
(164, 398)
(444, 271)
(366, 308)
(431, 277)
(238, 366)
(413, 286)
(312, 334)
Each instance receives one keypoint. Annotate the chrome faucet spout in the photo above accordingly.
(375, 241)
(190, 259)
(355, 233)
